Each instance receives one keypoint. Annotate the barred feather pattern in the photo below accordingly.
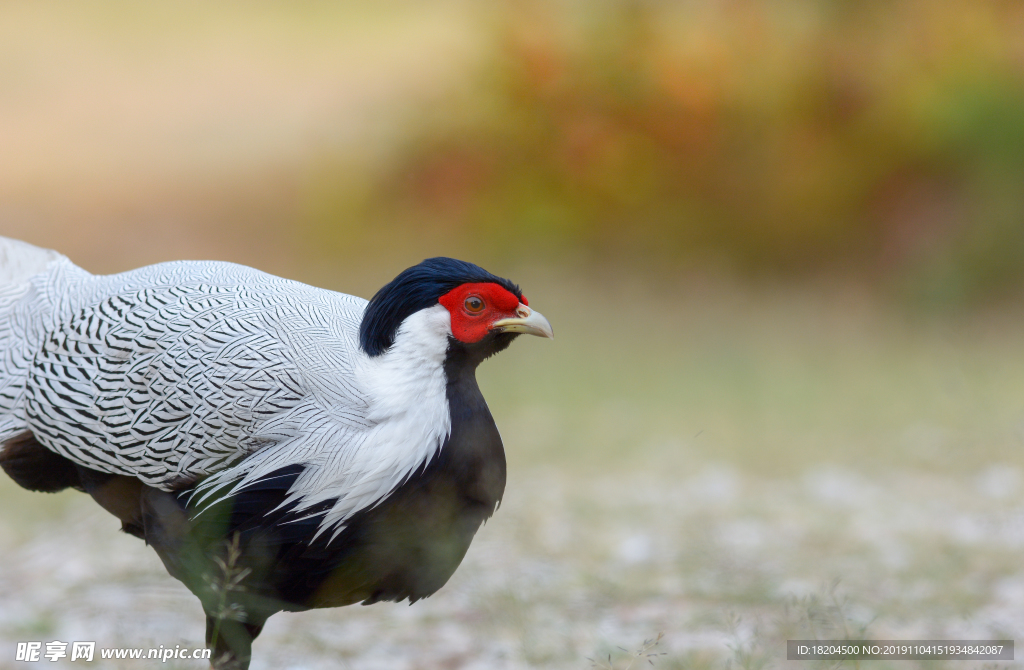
(220, 374)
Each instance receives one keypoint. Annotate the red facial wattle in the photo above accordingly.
(469, 325)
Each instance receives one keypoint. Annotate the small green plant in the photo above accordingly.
(747, 654)
(227, 582)
(644, 653)
(825, 616)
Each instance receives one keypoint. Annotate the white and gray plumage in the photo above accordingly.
(202, 401)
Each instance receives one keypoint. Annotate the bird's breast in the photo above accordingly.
(410, 544)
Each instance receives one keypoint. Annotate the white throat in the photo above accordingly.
(411, 372)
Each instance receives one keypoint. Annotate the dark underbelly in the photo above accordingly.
(406, 547)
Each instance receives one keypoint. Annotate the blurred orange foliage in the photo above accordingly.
(881, 138)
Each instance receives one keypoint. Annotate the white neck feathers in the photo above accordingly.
(408, 407)
(411, 373)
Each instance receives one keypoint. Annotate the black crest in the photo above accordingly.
(414, 289)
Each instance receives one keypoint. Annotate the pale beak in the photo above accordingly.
(525, 321)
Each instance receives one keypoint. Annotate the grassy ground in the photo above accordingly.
(732, 468)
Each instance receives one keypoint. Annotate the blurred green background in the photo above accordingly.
(781, 244)
(883, 140)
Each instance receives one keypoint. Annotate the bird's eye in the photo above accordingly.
(474, 304)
